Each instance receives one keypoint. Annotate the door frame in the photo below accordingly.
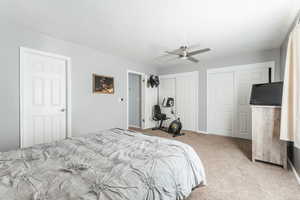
(234, 69)
(24, 50)
(143, 90)
(196, 75)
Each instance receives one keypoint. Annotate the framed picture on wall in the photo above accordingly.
(103, 84)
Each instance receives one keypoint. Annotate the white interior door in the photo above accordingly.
(43, 98)
(220, 103)
(244, 81)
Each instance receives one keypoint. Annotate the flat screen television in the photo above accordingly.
(269, 94)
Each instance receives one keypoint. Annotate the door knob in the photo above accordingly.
(62, 110)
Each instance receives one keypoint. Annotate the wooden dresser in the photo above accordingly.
(266, 145)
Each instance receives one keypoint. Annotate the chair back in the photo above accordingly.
(157, 110)
(157, 113)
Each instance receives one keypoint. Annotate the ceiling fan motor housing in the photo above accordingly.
(183, 53)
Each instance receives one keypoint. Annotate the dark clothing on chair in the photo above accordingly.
(158, 116)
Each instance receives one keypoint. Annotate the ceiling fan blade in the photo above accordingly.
(192, 59)
(177, 52)
(166, 59)
(198, 51)
(194, 46)
(164, 56)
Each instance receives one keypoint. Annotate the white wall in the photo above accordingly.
(90, 112)
(238, 59)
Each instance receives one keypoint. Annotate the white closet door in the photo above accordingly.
(186, 105)
(167, 88)
(43, 99)
(228, 98)
(244, 81)
(220, 113)
(183, 88)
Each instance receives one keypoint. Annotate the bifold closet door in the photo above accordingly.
(244, 81)
(228, 97)
(183, 88)
(220, 101)
(167, 88)
(186, 105)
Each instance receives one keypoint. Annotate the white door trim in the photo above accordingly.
(233, 69)
(68, 89)
(143, 86)
(196, 75)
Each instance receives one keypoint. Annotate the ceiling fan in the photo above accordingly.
(184, 53)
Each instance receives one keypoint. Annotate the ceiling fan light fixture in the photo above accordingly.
(183, 57)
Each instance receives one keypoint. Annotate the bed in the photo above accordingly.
(113, 164)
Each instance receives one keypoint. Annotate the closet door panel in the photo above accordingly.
(220, 91)
(186, 101)
(167, 88)
(244, 81)
(228, 97)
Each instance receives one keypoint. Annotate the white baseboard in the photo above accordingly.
(294, 171)
(199, 131)
(133, 126)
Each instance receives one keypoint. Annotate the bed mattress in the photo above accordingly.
(113, 164)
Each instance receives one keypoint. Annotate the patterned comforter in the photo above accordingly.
(113, 164)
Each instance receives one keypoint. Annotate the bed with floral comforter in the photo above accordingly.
(114, 164)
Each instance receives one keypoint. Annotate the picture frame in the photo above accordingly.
(103, 84)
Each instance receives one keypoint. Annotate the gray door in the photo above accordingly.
(134, 84)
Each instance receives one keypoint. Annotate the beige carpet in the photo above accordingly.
(230, 173)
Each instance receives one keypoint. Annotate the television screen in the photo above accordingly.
(267, 94)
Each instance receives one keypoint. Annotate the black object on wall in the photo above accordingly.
(270, 75)
(153, 81)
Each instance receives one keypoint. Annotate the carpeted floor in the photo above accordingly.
(230, 173)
